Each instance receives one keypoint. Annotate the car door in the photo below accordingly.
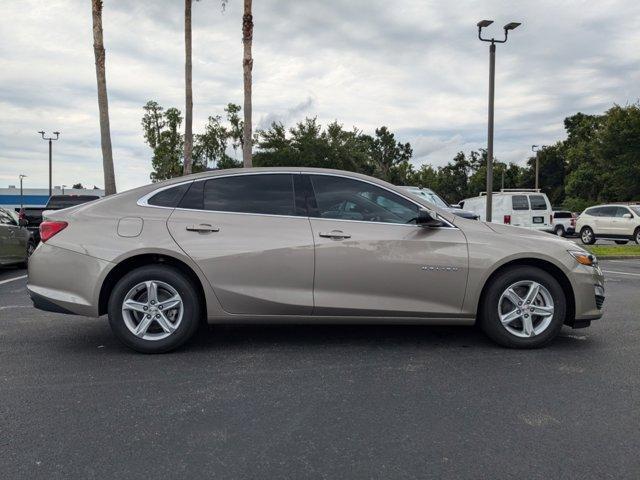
(12, 245)
(540, 212)
(521, 214)
(605, 221)
(624, 227)
(251, 240)
(372, 259)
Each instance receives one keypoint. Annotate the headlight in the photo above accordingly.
(584, 258)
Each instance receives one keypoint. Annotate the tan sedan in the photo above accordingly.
(303, 245)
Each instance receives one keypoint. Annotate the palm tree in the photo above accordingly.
(103, 101)
(188, 116)
(247, 66)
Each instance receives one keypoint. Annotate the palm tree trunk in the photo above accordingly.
(188, 117)
(103, 101)
(247, 66)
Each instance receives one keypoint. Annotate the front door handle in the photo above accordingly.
(335, 234)
(202, 228)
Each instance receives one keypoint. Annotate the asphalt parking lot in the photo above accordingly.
(320, 401)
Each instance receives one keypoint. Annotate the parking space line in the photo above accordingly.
(2, 282)
(622, 273)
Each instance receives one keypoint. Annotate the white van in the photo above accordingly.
(518, 207)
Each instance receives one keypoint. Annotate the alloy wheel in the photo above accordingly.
(526, 308)
(587, 236)
(152, 310)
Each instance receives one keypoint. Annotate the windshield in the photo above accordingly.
(430, 196)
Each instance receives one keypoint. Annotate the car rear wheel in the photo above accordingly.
(559, 231)
(636, 235)
(587, 236)
(524, 307)
(154, 309)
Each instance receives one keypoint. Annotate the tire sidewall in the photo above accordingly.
(191, 305)
(637, 236)
(559, 231)
(490, 322)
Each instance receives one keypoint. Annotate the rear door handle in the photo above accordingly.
(202, 228)
(335, 234)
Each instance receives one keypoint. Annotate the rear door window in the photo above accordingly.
(608, 211)
(267, 194)
(169, 197)
(538, 202)
(519, 202)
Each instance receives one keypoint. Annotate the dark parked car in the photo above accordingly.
(16, 242)
(56, 202)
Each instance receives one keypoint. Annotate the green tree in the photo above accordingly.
(162, 133)
(77, 186)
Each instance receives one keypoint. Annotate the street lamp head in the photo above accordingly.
(511, 26)
(484, 23)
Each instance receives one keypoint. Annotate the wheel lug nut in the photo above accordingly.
(145, 308)
(148, 316)
(526, 315)
(158, 316)
(160, 307)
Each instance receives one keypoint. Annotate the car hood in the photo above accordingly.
(536, 235)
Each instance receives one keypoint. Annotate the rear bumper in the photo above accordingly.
(63, 281)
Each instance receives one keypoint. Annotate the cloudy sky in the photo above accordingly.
(413, 65)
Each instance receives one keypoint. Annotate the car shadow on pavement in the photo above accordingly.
(93, 333)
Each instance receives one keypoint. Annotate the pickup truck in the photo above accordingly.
(56, 202)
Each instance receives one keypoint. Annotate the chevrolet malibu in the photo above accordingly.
(303, 245)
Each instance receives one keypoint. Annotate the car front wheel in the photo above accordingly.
(154, 309)
(636, 235)
(587, 236)
(524, 307)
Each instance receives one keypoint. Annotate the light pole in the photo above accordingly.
(63, 187)
(492, 77)
(536, 149)
(21, 198)
(50, 139)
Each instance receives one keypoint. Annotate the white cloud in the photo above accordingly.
(415, 66)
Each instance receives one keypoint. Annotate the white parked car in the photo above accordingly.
(564, 223)
(521, 208)
(612, 222)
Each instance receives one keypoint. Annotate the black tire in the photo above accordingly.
(488, 312)
(31, 246)
(621, 242)
(559, 231)
(191, 316)
(636, 235)
(587, 236)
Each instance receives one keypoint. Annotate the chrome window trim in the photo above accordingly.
(144, 200)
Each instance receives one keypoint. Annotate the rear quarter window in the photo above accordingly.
(169, 197)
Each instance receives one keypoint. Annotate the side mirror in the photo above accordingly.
(425, 219)
(627, 215)
(23, 222)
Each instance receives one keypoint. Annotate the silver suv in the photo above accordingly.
(303, 245)
(620, 223)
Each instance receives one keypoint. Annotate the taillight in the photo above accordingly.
(49, 228)
(573, 222)
(507, 220)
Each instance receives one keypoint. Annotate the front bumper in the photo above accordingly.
(63, 281)
(589, 292)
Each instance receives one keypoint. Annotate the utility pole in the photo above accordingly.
(536, 149)
(492, 80)
(21, 196)
(50, 139)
